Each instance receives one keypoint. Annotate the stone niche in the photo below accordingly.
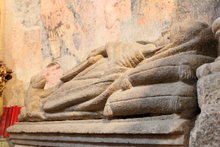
(129, 94)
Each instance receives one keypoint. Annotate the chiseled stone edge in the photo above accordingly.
(126, 126)
(41, 139)
(162, 130)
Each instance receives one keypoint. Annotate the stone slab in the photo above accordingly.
(151, 131)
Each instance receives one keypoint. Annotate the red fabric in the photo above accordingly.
(3, 121)
(8, 118)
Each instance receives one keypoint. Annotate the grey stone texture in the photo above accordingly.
(206, 132)
(128, 79)
(153, 88)
(166, 131)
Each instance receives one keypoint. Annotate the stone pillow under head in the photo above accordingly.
(152, 99)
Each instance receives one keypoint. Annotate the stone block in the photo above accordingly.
(161, 131)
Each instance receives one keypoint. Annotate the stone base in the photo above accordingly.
(152, 131)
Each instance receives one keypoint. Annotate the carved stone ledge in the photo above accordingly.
(164, 131)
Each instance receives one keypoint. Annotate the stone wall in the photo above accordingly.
(38, 31)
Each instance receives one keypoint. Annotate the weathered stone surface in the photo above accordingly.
(33, 99)
(180, 67)
(206, 132)
(123, 79)
(74, 28)
(208, 87)
(41, 85)
(207, 69)
(162, 131)
(153, 99)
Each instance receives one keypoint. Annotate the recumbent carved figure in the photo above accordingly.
(130, 79)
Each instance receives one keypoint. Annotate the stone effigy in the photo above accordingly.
(123, 79)
(141, 89)
(207, 126)
(35, 94)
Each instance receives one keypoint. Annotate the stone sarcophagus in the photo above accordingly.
(123, 94)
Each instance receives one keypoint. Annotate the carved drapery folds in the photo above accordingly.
(128, 79)
(142, 89)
